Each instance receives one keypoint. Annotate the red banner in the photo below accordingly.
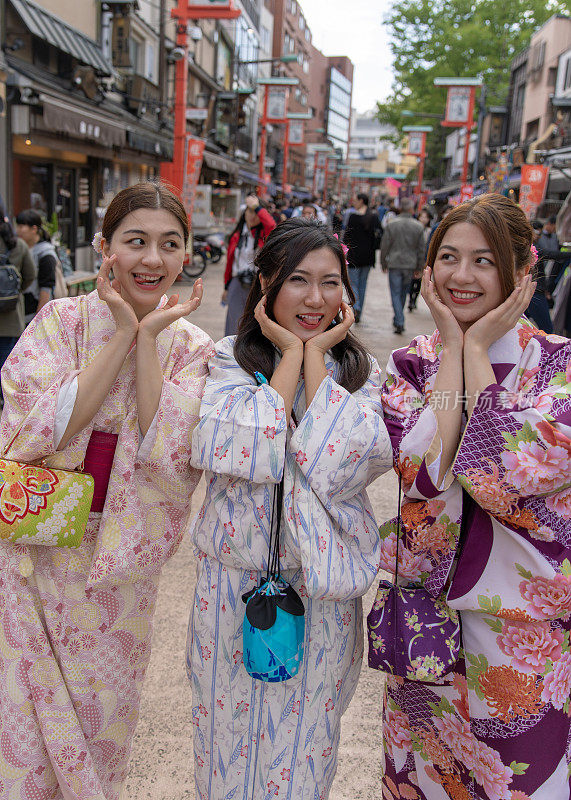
(532, 188)
(194, 149)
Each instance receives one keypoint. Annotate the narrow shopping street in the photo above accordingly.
(161, 763)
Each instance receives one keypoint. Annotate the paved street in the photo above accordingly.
(162, 762)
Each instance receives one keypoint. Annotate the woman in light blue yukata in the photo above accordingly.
(293, 391)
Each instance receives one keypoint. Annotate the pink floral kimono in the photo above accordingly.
(76, 624)
(494, 539)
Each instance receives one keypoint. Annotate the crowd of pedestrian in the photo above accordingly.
(291, 419)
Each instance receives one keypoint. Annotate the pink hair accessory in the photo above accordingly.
(534, 255)
(344, 246)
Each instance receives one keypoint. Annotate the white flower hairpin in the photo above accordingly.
(96, 242)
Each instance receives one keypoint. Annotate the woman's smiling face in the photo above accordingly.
(311, 296)
(465, 274)
(150, 248)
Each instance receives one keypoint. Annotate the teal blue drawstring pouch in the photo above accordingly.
(274, 623)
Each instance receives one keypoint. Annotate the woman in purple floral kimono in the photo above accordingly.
(479, 415)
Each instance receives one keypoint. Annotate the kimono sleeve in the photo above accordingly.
(243, 428)
(340, 446)
(164, 455)
(412, 424)
(47, 356)
(518, 444)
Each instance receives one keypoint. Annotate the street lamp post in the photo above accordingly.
(417, 147)
(185, 12)
(288, 143)
(277, 115)
(460, 114)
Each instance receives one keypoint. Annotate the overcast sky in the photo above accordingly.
(354, 28)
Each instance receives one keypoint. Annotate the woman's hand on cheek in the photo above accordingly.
(328, 339)
(496, 323)
(450, 331)
(282, 338)
(156, 321)
(110, 292)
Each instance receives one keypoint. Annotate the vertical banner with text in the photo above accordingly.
(532, 188)
(194, 151)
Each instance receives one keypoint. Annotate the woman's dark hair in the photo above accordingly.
(285, 248)
(7, 235)
(33, 219)
(505, 228)
(143, 195)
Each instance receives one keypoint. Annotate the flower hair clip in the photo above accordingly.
(96, 242)
(534, 255)
(343, 246)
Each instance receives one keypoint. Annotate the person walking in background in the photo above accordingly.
(111, 380)
(252, 228)
(480, 420)
(402, 254)
(425, 220)
(15, 252)
(361, 237)
(29, 228)
(441, 213)
(538, 309)
(298, 396)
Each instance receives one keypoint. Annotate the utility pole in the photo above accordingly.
(184, 13)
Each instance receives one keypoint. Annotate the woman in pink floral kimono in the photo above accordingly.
(114, 380)
(480, 420)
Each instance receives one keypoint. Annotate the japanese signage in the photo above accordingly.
(194, 150)
(277, 103)
(296, 132)
(466, 192)
(416, 140)
(532, 187)
(459, 106)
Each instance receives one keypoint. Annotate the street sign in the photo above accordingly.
(196, 113)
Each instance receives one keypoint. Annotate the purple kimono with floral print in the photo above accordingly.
(494, 541)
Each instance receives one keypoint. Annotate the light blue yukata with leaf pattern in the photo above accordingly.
(253, 739)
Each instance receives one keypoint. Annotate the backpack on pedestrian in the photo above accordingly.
(10, 283)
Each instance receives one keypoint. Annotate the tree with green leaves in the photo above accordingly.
(454, 38)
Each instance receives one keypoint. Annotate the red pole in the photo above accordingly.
(314, 186)
(468, 137)
(174, 172)
(420, 175)
(261, 170)
(325, 179)
(286, 155)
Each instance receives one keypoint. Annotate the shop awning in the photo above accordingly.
(58, 33)
(250, 177)
(60, 118)
(220, 163)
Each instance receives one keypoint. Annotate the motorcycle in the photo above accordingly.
(216, 242)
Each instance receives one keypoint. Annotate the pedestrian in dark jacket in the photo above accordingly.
(248, 236)
(29, 228)
(15, 252)
(361, 236)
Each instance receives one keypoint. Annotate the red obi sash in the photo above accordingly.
(98, 462)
